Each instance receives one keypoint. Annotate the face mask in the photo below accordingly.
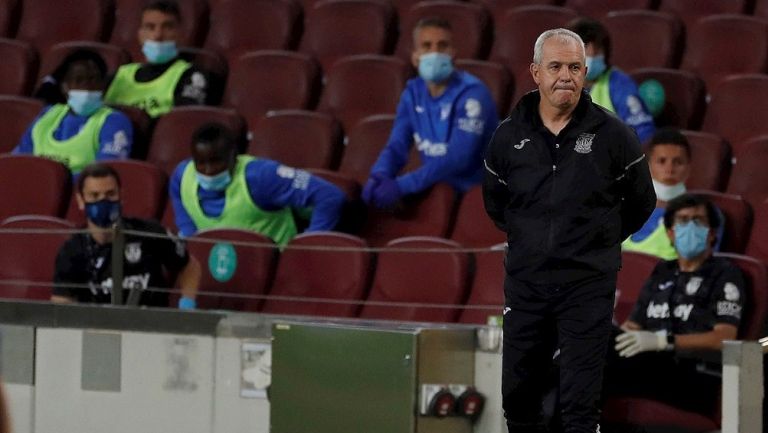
(666, 192)
(435, 67)
(218, 182)
(103, 213)
(690, 239)
(595, 67)
(84, 102)
(159, 52)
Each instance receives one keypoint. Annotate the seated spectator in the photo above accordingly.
(216, 188)
(83, 129)
(165, 80)
(608, 86)
(692, 303)
(84, 263)
(448, 115)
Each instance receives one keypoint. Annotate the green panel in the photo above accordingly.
(329, 379)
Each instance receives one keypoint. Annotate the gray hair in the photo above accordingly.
(562, 35)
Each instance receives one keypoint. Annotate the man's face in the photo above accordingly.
(431, 40)
(83, 75)
(158, 26)
(97, 189)
(669, 164)
(209, 160)
(698, 215)
(560, 76)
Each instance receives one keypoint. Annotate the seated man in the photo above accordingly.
(216, 188)
(165, 80)
(608, 86)
(449, 115)
(82, 130)
(692, 303)
(86, 258)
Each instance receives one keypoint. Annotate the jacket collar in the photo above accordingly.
(586, 115)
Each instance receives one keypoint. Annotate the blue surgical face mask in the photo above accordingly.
(84, 102)
(218, 182)
(690, 239)
(435, 67)
(103, 213)
(595, 66)
(159, 52)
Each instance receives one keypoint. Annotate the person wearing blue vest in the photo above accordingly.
(217, 188)
(610, 87)
(165, 80)
(449, 115)
(83, 129)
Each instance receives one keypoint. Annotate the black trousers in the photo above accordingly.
(538, 319)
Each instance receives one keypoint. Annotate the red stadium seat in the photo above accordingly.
(326, 274)
(738, 219)
(498, 79)
(731, 111)
(113, 55)
(710, 161)
(44, 23)
(684, 95)
(365, 141)
(749, 177)
(690, 11)
(597, 9)
(487, 287)
(758, 240)
(9, 17)
(17, 71)
(408, 277)
(29, 257)
(756, 276)
(349, 186)
(642, 38)
(656, 415)
(635, 270)
(474, 227)
(17, 113)
(33, 185)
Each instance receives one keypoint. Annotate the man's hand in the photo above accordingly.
(369, 187)
(631, 343)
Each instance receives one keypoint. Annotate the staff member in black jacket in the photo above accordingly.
(567, 182)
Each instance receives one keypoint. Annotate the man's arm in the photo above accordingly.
(495, 190)
(638, 196)
(115, 137)
(26, 145)
(395, 154)
(194, 88)
(188, 278)
(184, 222)
(67, 270)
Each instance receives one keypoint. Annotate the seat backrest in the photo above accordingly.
(690, 12)
(496, 76)
(173, 132)
(403, 276)
(297, 138)
(17, 71)
(113, 55)
(272, 80)
(237, 26)
(684, 96)
(753, 319)
(710, 161)
(237, 268)
(17, 113)
(635, 269)
(360, 86)
(713, 57)
(29, 256)
(643, 38)
(340, 28)
(325, 266)
(9, 17)
(33, 185)
(470, 24)
(598, 9)
(749, 177)
(731, 111)
(738, 219)
(487, 287)
(473, 227)
(44, 23)
(365, 141)
(758, 239)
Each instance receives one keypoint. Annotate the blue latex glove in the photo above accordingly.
(370, 185)
(186, 303)
(386, 194)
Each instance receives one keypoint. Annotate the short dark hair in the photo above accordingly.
(438, 22)
(668, 136)
(96, 169)
(79, 55)
(168, 7)
(593, 32)
(217, 136)
(691, 200)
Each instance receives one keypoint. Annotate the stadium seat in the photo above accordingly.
(487, 287)
(758, 239)
(761, 9)
(597, 9)
(749, 176)
(643, 38)
(738, 219)
(473, 227)
(655, 415)
(30, 257)
(498, 79)
(365, 141)
(339, 28)
(44, 23)
(9, 17)
(635, 270)
(753, 319)
(690, 12)
(409, 277)
(297, 138)
(272, 80)
(33, 185)
(326, 274)
(17, 71)
(113, 55)
(169, 219)
(516, 31)
(710, 161)
(684, 96)
(470, 24)
(237, 268)
(425, 214)
(17, 113)
(172, 136)
(731, 110)
(237, 26)
(349, 186)
(712, 56)
(360, 86)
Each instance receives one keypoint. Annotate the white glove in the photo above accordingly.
(631, 343)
